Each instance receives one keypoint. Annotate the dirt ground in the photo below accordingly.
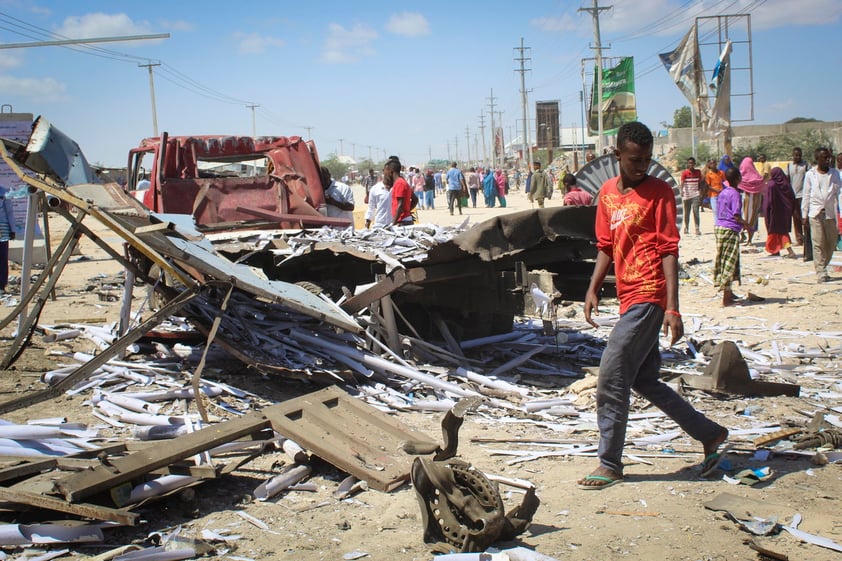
(657, 513)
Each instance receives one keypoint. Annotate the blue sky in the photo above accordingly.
(406, 78)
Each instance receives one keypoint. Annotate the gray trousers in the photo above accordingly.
(632, 360)
(824, 234)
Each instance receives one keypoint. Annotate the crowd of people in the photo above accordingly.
(800, 203)
(799, 200)
(461, 190)
(637, 236)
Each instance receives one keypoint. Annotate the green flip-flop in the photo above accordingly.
(605, 482)
(712, 461)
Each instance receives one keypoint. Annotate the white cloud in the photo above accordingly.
(408, 24)
(670, 17)
(102, 25)
(255, 44)
(9, 60)
(780, 13)
(40, 90)
(177, 25)
(344, 46)
(561, 23)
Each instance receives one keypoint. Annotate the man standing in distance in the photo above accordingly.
(339, 197)
(691, 179)
(796, 170)
(539, 185)
(636, 230)
(401, 192)
(379, 213)
(818, 209)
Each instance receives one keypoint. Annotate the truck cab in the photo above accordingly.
(231, 182)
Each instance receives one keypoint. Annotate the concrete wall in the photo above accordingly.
(745, 135)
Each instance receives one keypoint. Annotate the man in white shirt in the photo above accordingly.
(339, 197)
(379, 213)
(796, 170)
(820, 198)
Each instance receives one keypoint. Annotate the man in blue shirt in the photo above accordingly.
(455, 184)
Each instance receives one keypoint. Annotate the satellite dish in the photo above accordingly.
(596, 172)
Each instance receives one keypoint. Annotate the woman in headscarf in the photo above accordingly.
(725, 163)
(489, 188)
(777, 212)
(500, 179)
(753, 187)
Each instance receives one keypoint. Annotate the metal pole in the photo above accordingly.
(253, 121)
(582, 99)
(152, 95)
(493, 133)
(62, 42)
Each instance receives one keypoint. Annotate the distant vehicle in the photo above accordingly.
(231, 182)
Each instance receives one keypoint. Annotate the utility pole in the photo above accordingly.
(152, 94)
(468, 144)
(253, 121)
(476, 145)
(309, 136)
(594, 12)
(482, 134)
(369, 154)
(523, 59)
(354, 151)
(456, 148)
(584, 138)
(493, 131)
(341, 151)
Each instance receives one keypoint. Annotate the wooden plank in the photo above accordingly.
(25, 468)
(120, 470)
(153, 228)
(773, 437)
(85, 510)
(350, 435)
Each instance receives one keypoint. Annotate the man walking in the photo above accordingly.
(539, 185)
(455, 186)
(636, 230)
(818, 208)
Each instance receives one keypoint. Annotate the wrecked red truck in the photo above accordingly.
(231, 182)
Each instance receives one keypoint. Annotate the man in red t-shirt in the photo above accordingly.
(637, 232)
(691, 196)
(401, 192)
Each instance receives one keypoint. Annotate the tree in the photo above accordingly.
(780, 147)
(803, 120)
(336, 167)
(682, 119)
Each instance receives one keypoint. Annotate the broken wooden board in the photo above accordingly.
(120, 470)
(338, 428)
(773, 437)
(350, 435)
(96, 512)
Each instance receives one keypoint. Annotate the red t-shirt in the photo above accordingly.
(400, 189)
(637, 230)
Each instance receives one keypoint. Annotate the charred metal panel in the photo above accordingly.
(292, 296)
(53, 153)
(591, 177)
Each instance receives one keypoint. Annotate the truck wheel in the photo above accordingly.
(156, 299)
